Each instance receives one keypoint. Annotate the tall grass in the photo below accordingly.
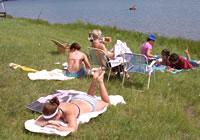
(168, 110)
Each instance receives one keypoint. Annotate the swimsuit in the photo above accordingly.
(194, 63)
(80, 73)
(88, 99)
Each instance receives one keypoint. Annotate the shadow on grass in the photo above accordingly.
(44, 135)
(129, 83)
(54, 53)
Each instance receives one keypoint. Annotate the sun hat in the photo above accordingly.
(152, 37)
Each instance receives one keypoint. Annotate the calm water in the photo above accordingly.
(172, 18)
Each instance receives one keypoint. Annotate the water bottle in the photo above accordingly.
(157, 56)
(103, 38)
(91, 36)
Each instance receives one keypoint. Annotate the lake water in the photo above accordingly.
(171, 18)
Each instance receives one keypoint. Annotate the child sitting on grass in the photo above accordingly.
(165, 58)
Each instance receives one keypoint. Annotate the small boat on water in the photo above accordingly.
(133, 8)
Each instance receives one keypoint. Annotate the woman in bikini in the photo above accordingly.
(78, 105)
(99, 44)
(77, 62)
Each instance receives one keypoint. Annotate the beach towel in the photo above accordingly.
(119, 49)
(64, 96)
(56, 74)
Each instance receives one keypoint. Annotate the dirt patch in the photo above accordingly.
(190, 112)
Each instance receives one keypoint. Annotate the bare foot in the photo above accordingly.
(186, 49)
(96, 74)
(127, 75)
(101, 76)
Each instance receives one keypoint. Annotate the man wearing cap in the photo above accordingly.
(146, 48)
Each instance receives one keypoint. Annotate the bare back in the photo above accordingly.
(77, 60)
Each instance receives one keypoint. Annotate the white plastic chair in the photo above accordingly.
(98, 57)
(138, 63)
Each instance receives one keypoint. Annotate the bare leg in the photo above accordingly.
(92, 89)
(102, 88)
(187, 53)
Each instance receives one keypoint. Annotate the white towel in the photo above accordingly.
(56, 74)
(85, 118)
(119, 49)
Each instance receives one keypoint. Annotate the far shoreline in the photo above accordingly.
(88, 23)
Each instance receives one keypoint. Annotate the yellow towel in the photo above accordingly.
(15, 66)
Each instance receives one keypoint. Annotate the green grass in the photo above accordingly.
(168, 110)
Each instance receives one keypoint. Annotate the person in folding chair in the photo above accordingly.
(78, 105)
(78, 62)
(98, 43)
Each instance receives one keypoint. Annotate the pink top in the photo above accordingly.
(144, 48)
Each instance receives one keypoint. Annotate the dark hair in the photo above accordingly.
(148, 39)
(50, 108)
(173, 57)
(75, 46)
(165, 52)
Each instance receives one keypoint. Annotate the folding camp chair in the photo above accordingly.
(98, 57)
(138, 63)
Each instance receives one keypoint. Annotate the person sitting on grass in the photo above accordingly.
(78, 105)
(77, 62)
(146, 48)
(165, 53)
(177, 62)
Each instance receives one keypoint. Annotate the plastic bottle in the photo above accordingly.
(91, 36)
(103, 38)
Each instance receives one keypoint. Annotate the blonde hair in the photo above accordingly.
(96, 34)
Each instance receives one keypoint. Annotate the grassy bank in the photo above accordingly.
(168, 110)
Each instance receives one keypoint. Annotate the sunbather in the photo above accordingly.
(177, 62)
(97, 43)
(77, 62)
(79, 104)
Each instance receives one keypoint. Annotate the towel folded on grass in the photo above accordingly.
(56, 74)
(64, 96)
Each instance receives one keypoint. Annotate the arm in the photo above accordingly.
(72, 124)
(170, 69)
(149, 53)
(41, 121)
(87, 64)
(107, 53)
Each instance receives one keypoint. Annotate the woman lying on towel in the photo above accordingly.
(77, 62)
(78, 105)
